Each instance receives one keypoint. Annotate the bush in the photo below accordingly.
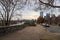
(30, 23)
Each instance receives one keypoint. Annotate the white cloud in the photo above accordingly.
(31, 15)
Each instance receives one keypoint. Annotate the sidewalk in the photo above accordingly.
(31, 33)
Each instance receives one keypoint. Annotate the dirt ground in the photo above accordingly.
(32, 33)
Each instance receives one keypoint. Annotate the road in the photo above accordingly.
(32, 33)
(55, 29)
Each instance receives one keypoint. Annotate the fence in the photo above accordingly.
(6, 29)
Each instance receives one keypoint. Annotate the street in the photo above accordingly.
(54, 29)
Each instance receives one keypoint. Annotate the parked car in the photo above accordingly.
(45, 25)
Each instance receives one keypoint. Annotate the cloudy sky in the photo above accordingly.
(29, 10)
(31, 14)
(32, 10)
(55, 11)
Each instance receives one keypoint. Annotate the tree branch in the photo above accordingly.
(49, 4)
(2, 15)
(13, 10)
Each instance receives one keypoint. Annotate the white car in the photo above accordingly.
(45, 25)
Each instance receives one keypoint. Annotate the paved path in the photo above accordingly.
(55, 29)
(31, 33)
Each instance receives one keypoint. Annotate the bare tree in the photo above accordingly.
(8, 9)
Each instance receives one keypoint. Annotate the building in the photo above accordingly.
(47, 15)
(41, 13)
(52, 15)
